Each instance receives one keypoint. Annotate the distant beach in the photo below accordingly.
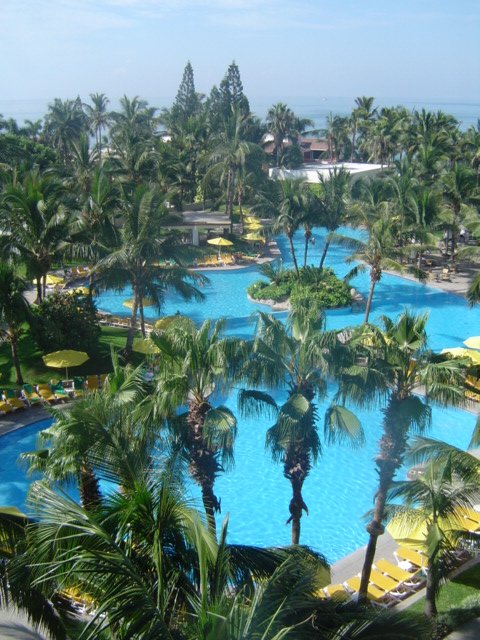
(467, 112)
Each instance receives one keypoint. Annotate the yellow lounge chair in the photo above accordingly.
(78, 387)
(413, 579)
(412, 557)
(58, 389)
(5, 407)
(31, 394)
(389, 584)
(92, 383)
(11, 397)
(45, 392)
(374, 594)
(337, 592)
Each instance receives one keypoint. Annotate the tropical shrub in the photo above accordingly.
(318, 285)
(66, 321)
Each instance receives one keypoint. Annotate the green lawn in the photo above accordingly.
(34, 369)
(454, 592)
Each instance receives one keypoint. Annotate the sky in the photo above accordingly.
(284, 48)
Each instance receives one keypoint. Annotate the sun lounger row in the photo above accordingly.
(119, 321)
(389, 583)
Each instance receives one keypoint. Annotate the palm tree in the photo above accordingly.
(35, 223)
(143, 241)
(98, 117)
(230, 150)
(64, 123)
(288, 205)
(334, 203)
(295, 357)
(14, 309)
(397, 363)
(284, 126)
(432, 514)
(198, 364)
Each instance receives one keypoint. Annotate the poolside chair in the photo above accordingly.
(10, 396)
(406, 557)
(374, 594)
(31, 394)
(92, 383)
(409, 579)
(59, 390)
(46, 393)
(5, 407)
(389, 584)
(337, 592)
(103, 377)
(78, 387)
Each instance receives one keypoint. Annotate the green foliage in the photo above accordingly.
(318, 285)
(66, 322)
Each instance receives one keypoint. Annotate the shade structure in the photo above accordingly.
(254, 237)
(220, 242)
(145, 345)
(146, 302)
(472, 342)
(52, 279)
(254, 226)
(65, 358)
(81, 291)
(168, 322)
(462, 352)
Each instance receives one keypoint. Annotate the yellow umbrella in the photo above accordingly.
(52, 279)
(461, 352)
(146, 302)
(254, 226)
(81, 291)
(65, 358)
(167, 322)
(254, 237)
(473, 342)
(145, 345)
(220, 242)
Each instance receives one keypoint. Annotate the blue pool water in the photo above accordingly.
(340, 488)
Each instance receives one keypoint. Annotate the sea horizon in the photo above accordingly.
(316, 108)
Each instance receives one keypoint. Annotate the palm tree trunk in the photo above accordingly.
(89, 488)
(324, 254)
(133, 326)
(430, 608)
(15, 359)
(294, 257)
(308, 234)
(142, 318)
(369, 300)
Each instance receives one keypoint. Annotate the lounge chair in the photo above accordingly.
(405, 556)
(31, 394)
(58, 389)
(5, 407)
(46, 393)
(78, 387)
(92, 383)
(409, 579)
(103, 377)
(10, 396)
(337, 592)
(389, 584)
(374, 594)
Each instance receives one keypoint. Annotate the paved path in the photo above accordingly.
(469, 631)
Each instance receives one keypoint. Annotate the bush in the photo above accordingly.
(319, 286)
(64, 321)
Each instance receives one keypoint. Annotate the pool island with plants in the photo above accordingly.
(284, 287)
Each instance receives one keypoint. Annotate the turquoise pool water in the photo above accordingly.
(340, 488)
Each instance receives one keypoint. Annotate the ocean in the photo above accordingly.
(467, 112)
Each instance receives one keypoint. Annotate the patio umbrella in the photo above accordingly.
(52, 279)
(254, 237)
(461, 352)
(167, 322)
(473, 342)
(65, 358)
(220, 242)
(254, 226)
(145, 345)
(146, 302)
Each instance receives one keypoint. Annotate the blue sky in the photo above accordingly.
(407, 48)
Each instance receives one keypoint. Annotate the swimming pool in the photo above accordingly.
(339, 490)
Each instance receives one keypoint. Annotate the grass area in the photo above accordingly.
(34, 370)
(454, 592)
